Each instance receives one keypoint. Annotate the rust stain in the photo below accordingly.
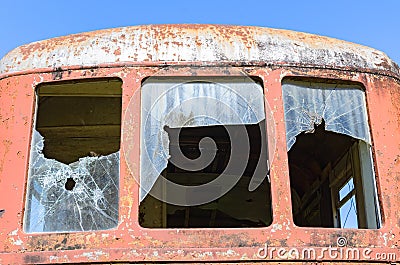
(57, 73)
(6, 149)
(117, 51)
(185, 43)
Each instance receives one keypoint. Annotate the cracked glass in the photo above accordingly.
(73, 179)
(178, 103)
(341, 106)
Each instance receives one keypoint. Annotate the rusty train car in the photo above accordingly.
(199, 144)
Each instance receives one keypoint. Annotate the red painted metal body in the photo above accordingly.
(134, 53)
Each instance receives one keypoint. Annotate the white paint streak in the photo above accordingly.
(18, 242)
(276, 227)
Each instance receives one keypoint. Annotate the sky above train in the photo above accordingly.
(372, 23)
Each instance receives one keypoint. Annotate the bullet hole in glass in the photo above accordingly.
(70, 184)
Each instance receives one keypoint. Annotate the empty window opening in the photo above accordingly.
(183, 113)
(322, 173)
(237, 208)
(79, 119)
(330, 163)
(74, 161)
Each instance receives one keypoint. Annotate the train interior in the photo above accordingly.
(237, 208)
(311, 162)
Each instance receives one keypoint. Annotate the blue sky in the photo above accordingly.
(371, 23)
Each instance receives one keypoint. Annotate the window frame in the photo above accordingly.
(209, 79)
(364, 186)
(337, 183)
(52, 89)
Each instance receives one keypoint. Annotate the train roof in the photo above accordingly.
(195, 44)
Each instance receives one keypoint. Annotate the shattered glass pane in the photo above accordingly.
(81, 196)
(177, 103)
(342, 107)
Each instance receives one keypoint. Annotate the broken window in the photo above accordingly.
(73, 177)
(329, 148)
(203, 153)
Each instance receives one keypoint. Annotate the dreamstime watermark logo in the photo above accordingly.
(200, 98)
(339, 252)
(341, 241)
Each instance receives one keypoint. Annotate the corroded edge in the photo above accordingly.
(205, 44)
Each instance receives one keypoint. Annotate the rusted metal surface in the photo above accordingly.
(195, 44)
(131, 243)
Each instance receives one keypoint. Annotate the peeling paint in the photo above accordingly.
(194, 43)
(18, 242)
(93, 256)
(276, 227)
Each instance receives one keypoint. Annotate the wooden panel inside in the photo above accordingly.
(78, 119)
